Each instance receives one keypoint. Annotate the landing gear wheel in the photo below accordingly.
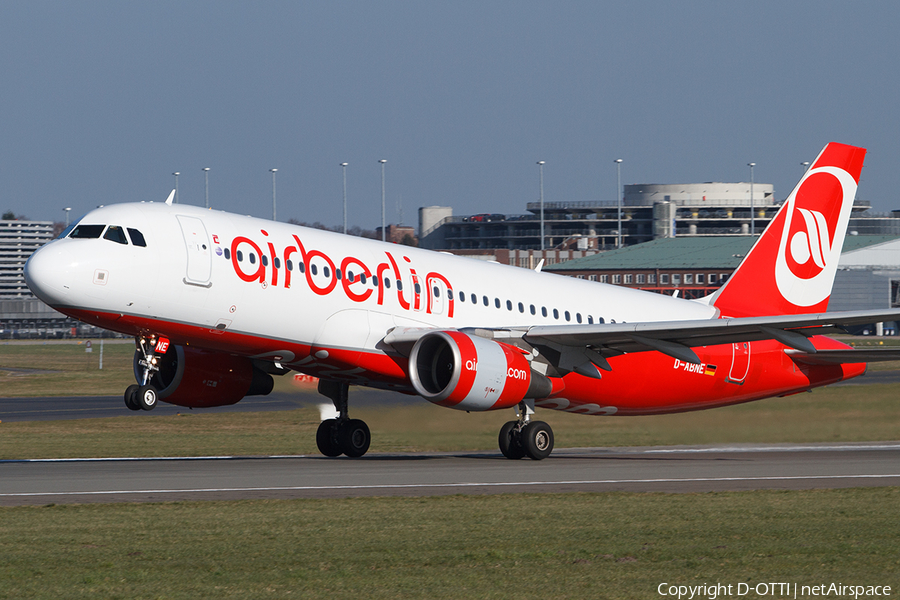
(326, 438)
(354, 438)
(131, 398)
(511, 441)
(147, 397)
(537, 440)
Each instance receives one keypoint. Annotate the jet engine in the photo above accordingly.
(466, 372)
(202, 379)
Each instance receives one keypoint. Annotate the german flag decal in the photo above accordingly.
(710, 370)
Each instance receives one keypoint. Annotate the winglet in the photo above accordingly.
(539, 266)
(170, 198)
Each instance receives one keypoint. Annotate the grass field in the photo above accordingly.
(837, 414)
(611, 545)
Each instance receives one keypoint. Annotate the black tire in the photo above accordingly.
(147, 397)
(326, 438)
(510, 441)
(354, 438)
(131, 397)
(537, 440)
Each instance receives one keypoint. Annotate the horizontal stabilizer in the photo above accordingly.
(841, 356)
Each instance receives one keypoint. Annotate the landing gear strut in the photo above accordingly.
(145, 396)
(342, 435)
(525, 437)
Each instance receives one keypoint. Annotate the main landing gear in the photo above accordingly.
(342, 435)
(525, 437)
(144, 396)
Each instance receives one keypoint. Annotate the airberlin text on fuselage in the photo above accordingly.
(354, 272)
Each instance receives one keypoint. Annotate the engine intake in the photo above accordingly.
(202, 379)
(467, 372)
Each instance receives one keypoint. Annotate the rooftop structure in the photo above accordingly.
(648, 212)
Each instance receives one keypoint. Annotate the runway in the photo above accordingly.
(661, 469)
(97, 407)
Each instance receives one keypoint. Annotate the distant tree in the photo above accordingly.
(9, 216)
(58, 228)
(409, 240)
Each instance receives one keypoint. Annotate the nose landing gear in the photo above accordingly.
(342, 435)
(525, 437)
(145, 396)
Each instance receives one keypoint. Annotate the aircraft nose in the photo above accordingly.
(48, 273)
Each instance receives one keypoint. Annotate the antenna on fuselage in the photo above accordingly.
(170, 198)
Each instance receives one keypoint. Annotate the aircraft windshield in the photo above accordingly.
(87, 231)
(116, 234)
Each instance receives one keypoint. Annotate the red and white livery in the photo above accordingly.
(218, 303)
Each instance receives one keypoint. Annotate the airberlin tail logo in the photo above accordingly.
(816, 217)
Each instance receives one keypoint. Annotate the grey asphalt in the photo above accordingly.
(679, 469)
(85, 407)
(90, 407)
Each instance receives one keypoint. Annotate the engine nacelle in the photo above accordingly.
(467, 372)
(201, 379)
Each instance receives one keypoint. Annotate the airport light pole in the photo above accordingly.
(752, 221)
(206, 174)
(540, 164)
(176, 174)
(618, 162)
(273, 171)
(67, 209)
(383, 233)
(344, 169)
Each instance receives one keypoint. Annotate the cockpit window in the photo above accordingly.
(137, 238)
(87, 231)
(65, 232)
(116, 234)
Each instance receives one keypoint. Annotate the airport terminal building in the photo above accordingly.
(648, 212)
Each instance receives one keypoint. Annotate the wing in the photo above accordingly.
(676, 338)
(574, 347)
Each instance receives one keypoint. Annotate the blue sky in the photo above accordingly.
(102, 101)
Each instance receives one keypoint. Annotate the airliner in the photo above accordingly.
(218, 303)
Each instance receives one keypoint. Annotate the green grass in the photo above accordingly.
(65, 369)
(611, 545)
(837, 414)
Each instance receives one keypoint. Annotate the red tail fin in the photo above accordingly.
(791, 267)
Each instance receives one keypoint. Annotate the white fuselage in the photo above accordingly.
(221, 271)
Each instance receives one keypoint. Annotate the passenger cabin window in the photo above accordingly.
(87, 232)
(116, 234)
(137, 238)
